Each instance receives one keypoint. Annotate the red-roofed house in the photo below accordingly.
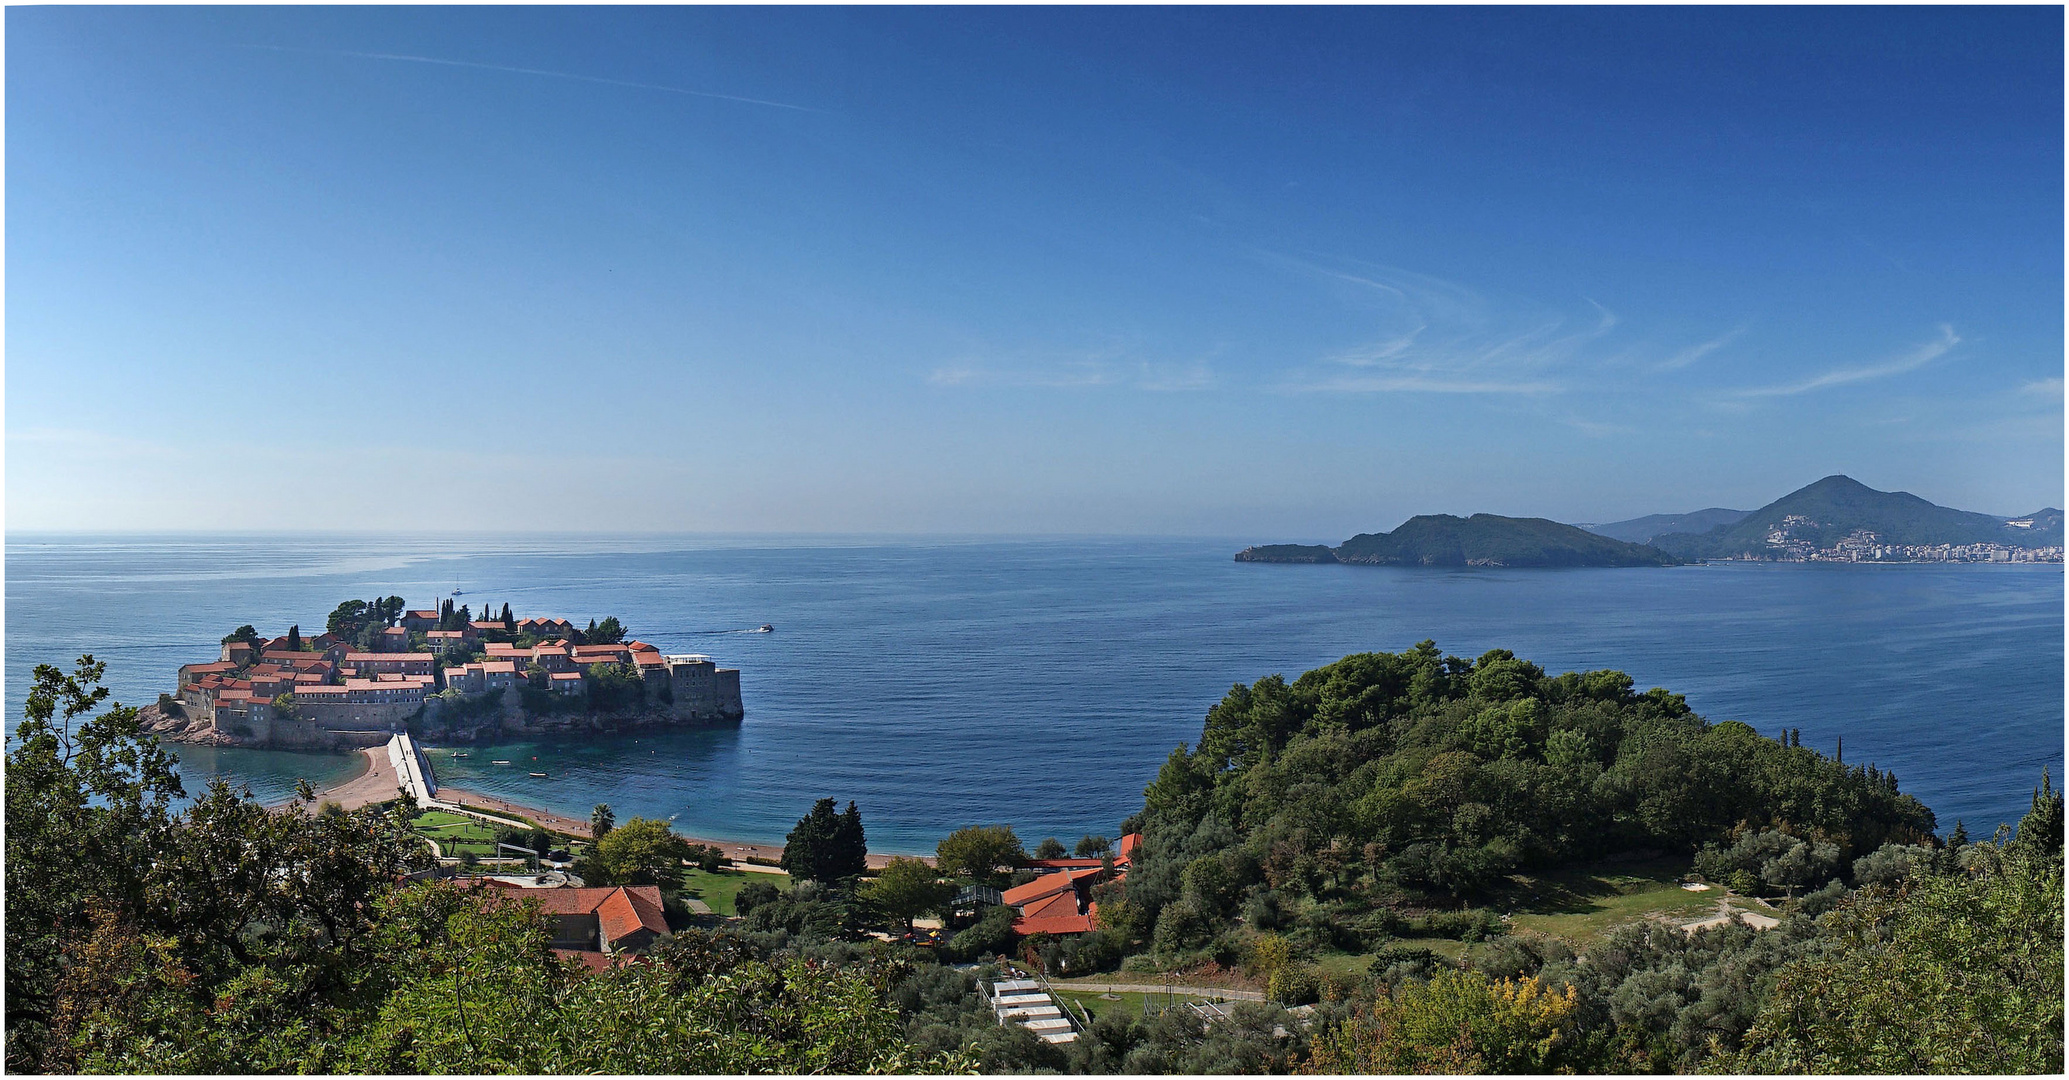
(401, 663)
(604, 920)
(586, 655)
(545, 628)
(1058, 903)
(420, 620)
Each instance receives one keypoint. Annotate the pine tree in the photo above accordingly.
(2041, 829)
(294, 638)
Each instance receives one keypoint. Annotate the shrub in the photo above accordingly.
(1179, 928)
(754, 894)
(1294, 984)
(1472, 924)
(990, 935)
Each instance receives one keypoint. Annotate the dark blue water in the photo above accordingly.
(1041, 683)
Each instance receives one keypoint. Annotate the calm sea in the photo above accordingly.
(1042, 682)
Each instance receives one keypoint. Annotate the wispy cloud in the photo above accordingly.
(1696, 352)
(1076, 372)
(1422, 384)
(2043, 388)
(404, 58)
(1911, 360)
(1440, 337)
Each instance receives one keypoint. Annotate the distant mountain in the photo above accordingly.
(1830, 510)
(1641, 530)
(1480, 540)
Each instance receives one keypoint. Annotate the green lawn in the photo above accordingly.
(717, 890)
(457, 834)
(1582, 905)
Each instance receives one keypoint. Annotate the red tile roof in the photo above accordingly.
(1062, 903)
(627, 911)
(1130, 845)
(1046, 885)
(594, 961)
(620, 912)
(1065, 924)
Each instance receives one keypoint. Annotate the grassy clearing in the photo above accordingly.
(1127, 1004)
(458, 834)
(717, 890)
(1582, 905)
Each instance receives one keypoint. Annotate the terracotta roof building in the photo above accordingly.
(602, 919)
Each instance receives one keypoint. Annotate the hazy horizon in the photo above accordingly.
(1287, 274)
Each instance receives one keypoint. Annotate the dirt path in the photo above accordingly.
(1158, 988)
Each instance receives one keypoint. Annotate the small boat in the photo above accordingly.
(766, 628)
(538, 776)
(499, 761)
(457, 592)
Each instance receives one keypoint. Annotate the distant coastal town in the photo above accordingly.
(1786, 543)
(380, 668)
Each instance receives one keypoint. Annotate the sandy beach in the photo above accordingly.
(734, 849)
(378, 783)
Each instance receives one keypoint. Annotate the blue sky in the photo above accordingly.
(1275, 274)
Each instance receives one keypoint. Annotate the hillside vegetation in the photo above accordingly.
(1397, 781)
(1480, 540)
(1462, 866)
(1641, 530)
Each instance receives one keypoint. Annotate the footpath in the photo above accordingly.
(1158, 988)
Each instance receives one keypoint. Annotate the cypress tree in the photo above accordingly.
(808, 847)
(850, 848)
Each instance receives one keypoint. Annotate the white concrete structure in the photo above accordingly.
(1025, 1002)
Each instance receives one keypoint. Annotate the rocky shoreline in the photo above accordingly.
(180, 727)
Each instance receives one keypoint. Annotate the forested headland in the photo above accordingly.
(1480, 540)
(1405, 853)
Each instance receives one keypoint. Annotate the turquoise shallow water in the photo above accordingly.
(1042, 682)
